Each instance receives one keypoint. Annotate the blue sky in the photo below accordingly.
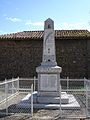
(27, 15)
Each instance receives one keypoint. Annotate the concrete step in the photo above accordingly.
(54, 99)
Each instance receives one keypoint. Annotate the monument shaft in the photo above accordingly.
(48, 72)
(49, 55)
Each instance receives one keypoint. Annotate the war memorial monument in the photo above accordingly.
(49, 94)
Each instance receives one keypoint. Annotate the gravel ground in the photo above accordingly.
(44, 114)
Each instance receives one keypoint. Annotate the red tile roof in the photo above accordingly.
(39, 34)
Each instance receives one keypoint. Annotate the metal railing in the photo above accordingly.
(22, 87)
(73, 85)
(66, 84)
(27, 82)
(8, 88)
(12, 96)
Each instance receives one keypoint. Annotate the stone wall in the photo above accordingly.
(20, 57)
(71, 55)
(88, 58)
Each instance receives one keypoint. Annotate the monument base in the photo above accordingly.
(54, 99)
(48, 80)
(48, 93)
(68, 101)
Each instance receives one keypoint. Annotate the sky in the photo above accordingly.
(29, 15)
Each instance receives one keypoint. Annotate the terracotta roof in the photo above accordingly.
(39, 34)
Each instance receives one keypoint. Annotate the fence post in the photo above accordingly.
(86, 100)
(84, 84)
(18, 85)
(60, 100)
(32, 100)
(12, 87)
(34, 82)
(6, 96)
(67, 84)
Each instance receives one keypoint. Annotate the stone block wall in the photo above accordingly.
(71, 56)
(88, 58)
(20, 57)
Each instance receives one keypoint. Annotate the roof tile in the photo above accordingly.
(39, 34)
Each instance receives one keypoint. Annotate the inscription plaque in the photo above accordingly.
(48, 82)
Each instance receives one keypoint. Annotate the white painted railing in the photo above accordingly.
(34, 82)
(66, 84)
(73, 85)
(11, 87)
(8, 88)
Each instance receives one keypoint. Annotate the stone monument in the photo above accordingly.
(49, 94)
(48, 72)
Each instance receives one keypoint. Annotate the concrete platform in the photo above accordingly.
(46, 99)
(25, 103)
(53, 99)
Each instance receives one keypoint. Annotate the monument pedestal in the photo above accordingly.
(48, 80)
(49, 85)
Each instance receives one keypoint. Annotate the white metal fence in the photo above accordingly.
(77, 87)
(67, 84)
(87, 83)
(12, 96)
(8, 89)
(26, 83)
(17, 90)
(73, 85)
